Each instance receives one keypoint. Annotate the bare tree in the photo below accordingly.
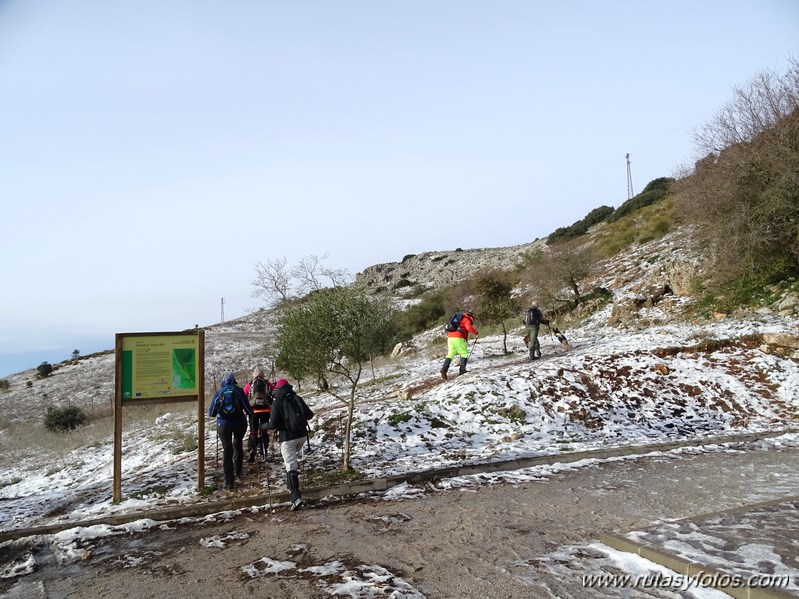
(276, 282)
(743, 191)
(272, 281)
(768, 98)
(557, 275)
(310, 274)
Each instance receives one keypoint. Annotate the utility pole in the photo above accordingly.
(223, 310)
(629, 179)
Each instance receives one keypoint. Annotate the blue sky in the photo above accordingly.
(152, 152)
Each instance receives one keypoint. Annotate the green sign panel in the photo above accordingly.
(159, 366)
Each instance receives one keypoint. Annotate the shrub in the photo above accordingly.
(656, 190)
(396, 419)
(402, 283)
(61, 420)
(44, 369)
(4, 385)
(419, 317)
(596, 216)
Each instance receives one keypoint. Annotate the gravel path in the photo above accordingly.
(535, 538)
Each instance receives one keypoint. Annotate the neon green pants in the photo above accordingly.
(457, 346)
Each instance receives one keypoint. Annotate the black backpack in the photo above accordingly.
(531, 318)
(228, 405)
(453, 324)
(259, 394)
(293, 414)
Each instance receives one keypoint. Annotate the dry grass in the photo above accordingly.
(28, 444)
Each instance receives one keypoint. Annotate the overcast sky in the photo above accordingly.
(152, 152)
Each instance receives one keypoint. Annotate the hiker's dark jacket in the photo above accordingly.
(276, 421)
(535, 318)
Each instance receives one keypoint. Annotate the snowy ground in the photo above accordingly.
(612, 388)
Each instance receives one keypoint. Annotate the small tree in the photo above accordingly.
(334, 331)
(558, 275)
(44, 370)
(75, 354)
(496, 303)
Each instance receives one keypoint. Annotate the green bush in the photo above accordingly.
(596, 216)
(61, 420)
(419, 317)
(396, 419)
(44, 369)
(4, 385)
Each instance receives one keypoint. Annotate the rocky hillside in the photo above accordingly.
(435, 269)
(659, 272)
(650, 285)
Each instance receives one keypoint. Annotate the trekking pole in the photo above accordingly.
(255, 448)
(268, 487)
(472, 348)
(216, 464)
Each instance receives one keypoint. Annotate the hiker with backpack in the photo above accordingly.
(259, 392)
(290, 415)
(533, 319)
(231, 409)
(458, 328)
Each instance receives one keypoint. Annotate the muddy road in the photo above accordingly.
(508, 537)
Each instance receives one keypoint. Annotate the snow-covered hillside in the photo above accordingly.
(661, 379)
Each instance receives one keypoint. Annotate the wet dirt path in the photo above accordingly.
(489, 540)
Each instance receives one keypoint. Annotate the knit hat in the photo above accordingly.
(280, 383)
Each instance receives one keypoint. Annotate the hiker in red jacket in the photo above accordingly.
(458, 343)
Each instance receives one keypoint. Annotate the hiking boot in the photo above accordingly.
(228, 486)
(293, 484)
(462, 368)
(445, 368)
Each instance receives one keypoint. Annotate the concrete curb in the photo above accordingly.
(719, 579)
(385, 483)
